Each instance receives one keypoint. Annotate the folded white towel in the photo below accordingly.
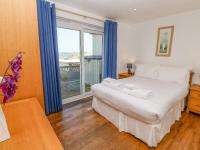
(130, 86)
(140, 93)
(112, 83)
(109, 80)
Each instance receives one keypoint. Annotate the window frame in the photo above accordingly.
(83, 28)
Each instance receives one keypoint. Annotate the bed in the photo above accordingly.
(148, 119)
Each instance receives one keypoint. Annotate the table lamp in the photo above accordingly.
(129, 66)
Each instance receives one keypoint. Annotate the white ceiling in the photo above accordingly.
(123, 10)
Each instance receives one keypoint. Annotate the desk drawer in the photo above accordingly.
(195, 95)
(195, 108)
(194, 102)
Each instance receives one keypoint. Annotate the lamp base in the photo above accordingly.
(129, 71)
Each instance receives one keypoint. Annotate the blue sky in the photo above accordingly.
(69, 40)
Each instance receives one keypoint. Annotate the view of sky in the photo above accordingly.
(69, 41)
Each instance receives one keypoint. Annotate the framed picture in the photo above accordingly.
(164, 41)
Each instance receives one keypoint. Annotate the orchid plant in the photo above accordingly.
(8, 82)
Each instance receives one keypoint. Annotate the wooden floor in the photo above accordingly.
(80, 127)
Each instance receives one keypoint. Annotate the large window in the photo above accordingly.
(80, 58)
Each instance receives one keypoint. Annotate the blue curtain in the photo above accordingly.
(49, 56)
(110, 49)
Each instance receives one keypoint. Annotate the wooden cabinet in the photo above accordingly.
(124, 75)
(194, 99)
(29, 127)
(19, 32)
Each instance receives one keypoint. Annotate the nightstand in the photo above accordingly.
(194, 99)
(124, 75)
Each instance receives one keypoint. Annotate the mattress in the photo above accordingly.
(152, 110)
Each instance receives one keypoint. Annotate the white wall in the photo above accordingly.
(186, 41)
(125, 46)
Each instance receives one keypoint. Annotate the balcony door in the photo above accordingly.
(80, 58)
(93, 50)
(69, 61)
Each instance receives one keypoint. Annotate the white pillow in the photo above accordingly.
(139, 70)
(174, 74)
(146, 70)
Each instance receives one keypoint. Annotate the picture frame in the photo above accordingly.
(164, 41)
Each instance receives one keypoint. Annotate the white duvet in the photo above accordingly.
(152, 110)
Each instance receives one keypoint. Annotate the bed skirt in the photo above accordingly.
(151, 134)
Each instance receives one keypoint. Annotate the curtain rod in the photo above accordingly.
(67, 11)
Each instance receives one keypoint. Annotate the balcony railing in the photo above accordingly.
(70, 75)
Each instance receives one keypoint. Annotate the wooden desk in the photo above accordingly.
(29, 127)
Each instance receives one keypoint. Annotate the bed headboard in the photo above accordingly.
(191, 76)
